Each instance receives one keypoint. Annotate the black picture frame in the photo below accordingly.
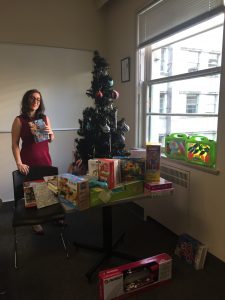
(125, 69)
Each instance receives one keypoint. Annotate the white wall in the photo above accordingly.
(205, 210)
(68, 24)
(72, 24)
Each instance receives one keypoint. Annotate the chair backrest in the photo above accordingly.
(35, 173)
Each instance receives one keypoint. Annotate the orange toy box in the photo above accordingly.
(131, 278)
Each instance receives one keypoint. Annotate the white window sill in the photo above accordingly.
(213, 171)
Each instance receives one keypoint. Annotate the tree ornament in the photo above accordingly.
(105, 128)
(115, 95)
(99, 94)
(110, 82)
(125, 127)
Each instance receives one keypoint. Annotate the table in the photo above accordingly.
(108, 245)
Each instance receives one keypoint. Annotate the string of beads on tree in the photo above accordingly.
(101, 134)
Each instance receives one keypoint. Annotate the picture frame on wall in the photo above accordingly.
(125, 69)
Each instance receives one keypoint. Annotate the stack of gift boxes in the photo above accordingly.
(114, 179)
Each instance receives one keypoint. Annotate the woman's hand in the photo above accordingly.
(48, 129)
(24, 169)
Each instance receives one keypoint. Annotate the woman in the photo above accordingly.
(32, 153)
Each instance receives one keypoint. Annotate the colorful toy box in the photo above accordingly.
(162, 184)
(100, 195)
(109, 171)
(73, 191)
(200, 150)
(132, 169)
(131, 278)
(175, 145)
(93, 168)
(138, 153)
(153, 152)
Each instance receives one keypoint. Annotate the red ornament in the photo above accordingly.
(99, 94)
(115, 94)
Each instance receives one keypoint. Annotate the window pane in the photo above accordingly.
(196, 95)
(195, 52)
(159, 126)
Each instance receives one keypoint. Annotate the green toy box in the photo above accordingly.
(175, 145)
(99, 195)
(200, 150)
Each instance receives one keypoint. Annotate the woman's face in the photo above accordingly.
(35, 100)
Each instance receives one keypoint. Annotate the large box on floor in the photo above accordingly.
(120, 282)
(99, 195)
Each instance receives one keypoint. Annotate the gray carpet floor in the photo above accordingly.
(45, 273)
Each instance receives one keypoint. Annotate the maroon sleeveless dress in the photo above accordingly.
(33, 154)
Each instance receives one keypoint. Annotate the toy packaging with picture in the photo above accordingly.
(200, 150)
(132, 169)
(131, 278)
(175, 145)
(153, 152)
(73, 191)
(195, 149)
(191, 250)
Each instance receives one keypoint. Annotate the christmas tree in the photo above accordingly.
(102, 135)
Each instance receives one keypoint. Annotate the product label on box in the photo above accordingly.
(132, 277)
(113, 287)
(152, 163)
(165, 270)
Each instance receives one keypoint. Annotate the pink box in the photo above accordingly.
(120, 282)
(162, 184)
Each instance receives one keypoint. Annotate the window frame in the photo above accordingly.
(143, 87)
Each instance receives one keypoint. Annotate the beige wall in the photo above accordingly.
(112, 30)
(203, 214)
(69, 23)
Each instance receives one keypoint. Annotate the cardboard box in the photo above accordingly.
(37, 194)
(109, 171)
(153, 152)
(93, 168)
(162, 184)
(99, 195)
(73, 191)
(125, 280)
(132, 169)
(138, 153)
(29, 196)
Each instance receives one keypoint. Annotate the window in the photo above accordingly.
(180, 80)
(162, 104)
(192, 104)
(214, 60)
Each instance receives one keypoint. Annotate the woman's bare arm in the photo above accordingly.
(16, 129)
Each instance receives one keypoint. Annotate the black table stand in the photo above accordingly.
(108, 245)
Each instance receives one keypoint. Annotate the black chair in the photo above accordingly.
(32, 216)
